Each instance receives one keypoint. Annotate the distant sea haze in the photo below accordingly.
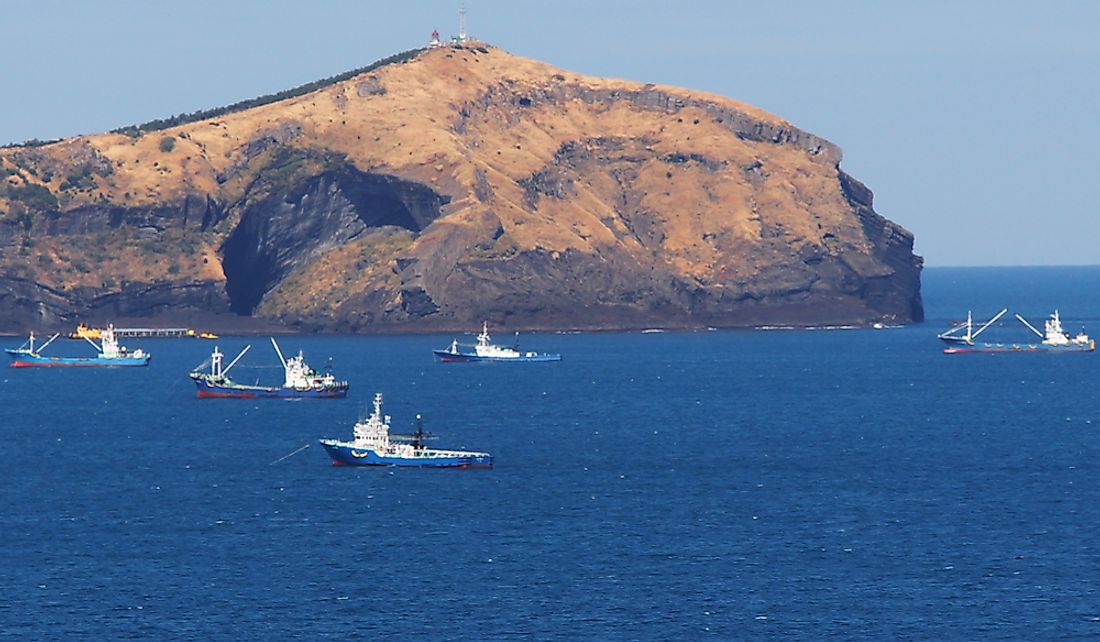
(1031, 291)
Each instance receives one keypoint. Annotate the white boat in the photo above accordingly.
(299, 380)
(1053, 339)
(486, 350)
(374, 445)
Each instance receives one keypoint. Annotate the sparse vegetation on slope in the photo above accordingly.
(204, 114)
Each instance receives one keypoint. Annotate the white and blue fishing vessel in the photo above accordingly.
(300, 381)
(485, 350)
(111, 354)
(1053, 338)
(374, 445)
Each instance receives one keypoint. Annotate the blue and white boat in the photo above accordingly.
(300, 381)
(111, 354)
(373, 445)
(1053, 339)
(485, 350)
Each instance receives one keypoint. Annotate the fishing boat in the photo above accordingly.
(300, 380)
(952, 336)
(485, 350)
(374, 445)
(1052, 339)
(110, 354)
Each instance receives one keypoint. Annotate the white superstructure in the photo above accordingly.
(299, 375)
(1054, 335)
(373, 434)
(110, 349)
(485, 348)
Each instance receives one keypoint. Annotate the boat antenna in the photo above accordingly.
(418, 437)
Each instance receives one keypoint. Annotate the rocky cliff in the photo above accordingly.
(449, 186)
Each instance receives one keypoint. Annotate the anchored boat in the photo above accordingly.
(111, 354)
(485, 350)
(300, 380)
(374, 445)
(1053, 339)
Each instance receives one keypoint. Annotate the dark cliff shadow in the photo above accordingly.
(286, 229)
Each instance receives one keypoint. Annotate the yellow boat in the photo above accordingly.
(207, 335)
(84, 332)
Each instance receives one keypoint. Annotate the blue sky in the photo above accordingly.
(977, 124)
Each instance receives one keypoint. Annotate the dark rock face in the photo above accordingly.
(27, 304)
(542, 290)
(196, 213)
(897, 291)
(286, 229)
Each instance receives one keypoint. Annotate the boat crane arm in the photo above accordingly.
(278, 352)
(1030, 327)
(98, 348)
(234, 362)
(48, 342)
(952, 331)
(989, 323)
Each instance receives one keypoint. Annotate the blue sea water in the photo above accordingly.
(845, 484)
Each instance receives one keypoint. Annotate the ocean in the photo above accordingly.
(786, 484)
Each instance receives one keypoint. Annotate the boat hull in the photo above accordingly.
(24, 360)
(344, 455)
(210, 390)
(1012, 348)
(446, 356)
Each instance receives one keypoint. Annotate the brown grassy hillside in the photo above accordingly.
(464, 183)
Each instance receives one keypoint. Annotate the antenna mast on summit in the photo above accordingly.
(462, 23)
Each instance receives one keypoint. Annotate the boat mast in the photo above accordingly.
(988, 323)
(216, 363)
(43, 346)
(1030, 327)
(279, 352)
(483, 338)
(418, 436)
(234, 362)
(98, 348)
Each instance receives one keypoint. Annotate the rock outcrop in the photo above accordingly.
(458, 184)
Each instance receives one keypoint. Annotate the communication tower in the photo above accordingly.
(461, 37)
